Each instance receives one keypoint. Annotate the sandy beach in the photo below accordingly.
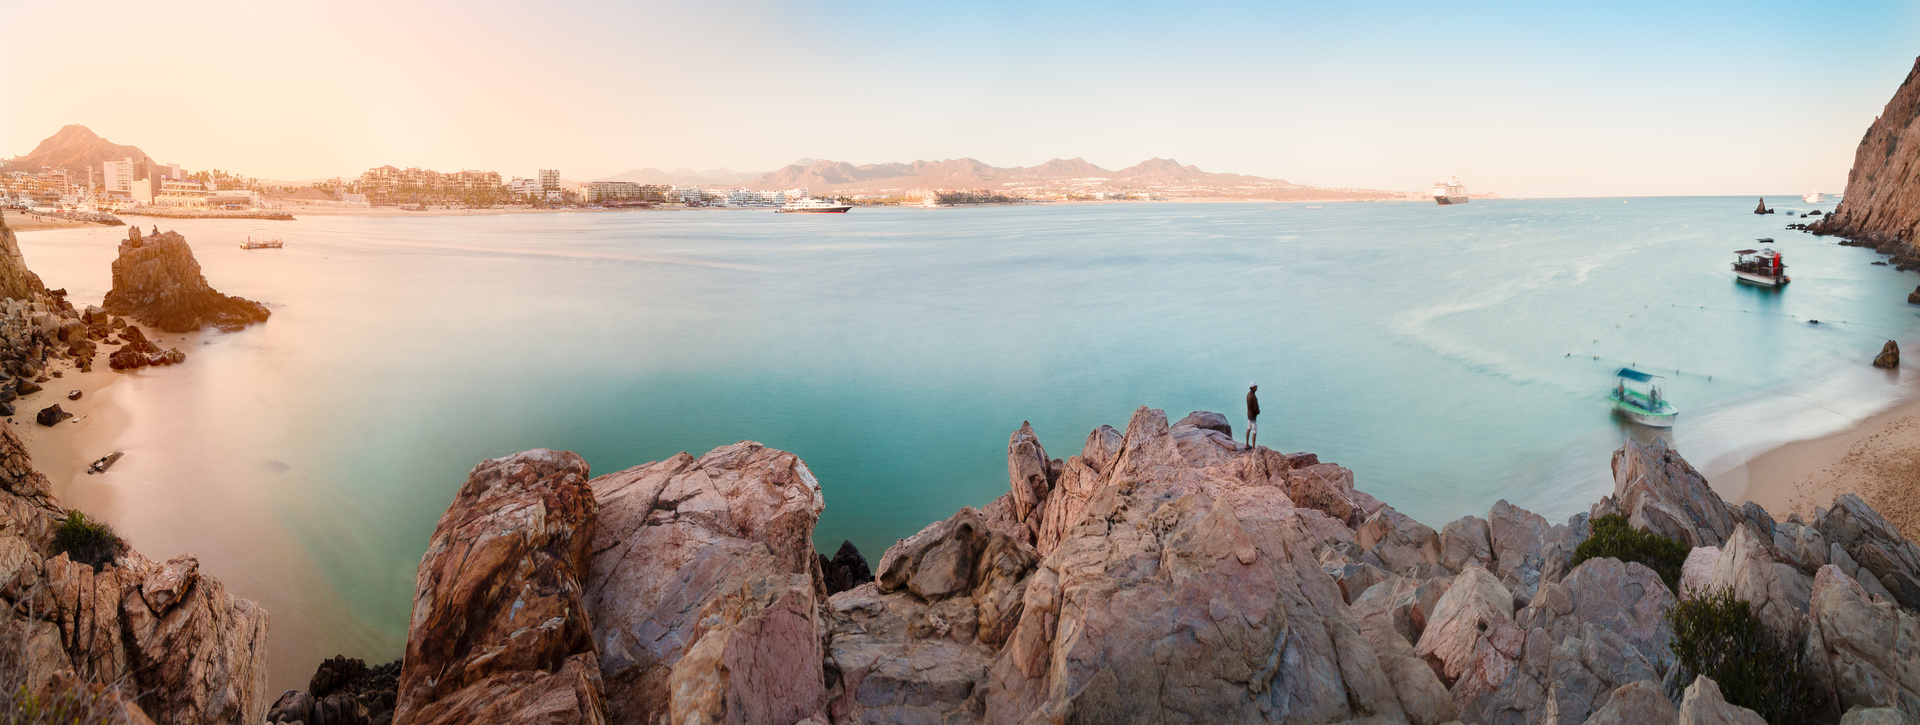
(1879, 459)
(64, 451)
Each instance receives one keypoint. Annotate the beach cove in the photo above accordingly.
(1451, 357)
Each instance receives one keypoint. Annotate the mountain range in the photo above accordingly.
(832, 176)
(76, 148)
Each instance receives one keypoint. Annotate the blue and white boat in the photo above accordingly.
(1643, 407)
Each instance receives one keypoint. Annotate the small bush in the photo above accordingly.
(1717, 635)
(85, 540)
(1613, 537)
(72, 707)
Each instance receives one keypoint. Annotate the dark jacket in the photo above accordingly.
(1253, 406)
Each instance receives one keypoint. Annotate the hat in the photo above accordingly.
(1253, 385)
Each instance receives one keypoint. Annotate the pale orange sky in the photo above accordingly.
(1521, 99)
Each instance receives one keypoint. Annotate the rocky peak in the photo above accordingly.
(157, 281)
(1882, 203)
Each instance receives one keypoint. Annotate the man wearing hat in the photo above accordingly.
(1253, 412)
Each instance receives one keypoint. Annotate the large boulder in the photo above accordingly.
(1866, 652)
(1889, 356)
(1388, 613)
(901, 659)
(1466, 541)
(157, 281)
(1403, 544)
(1475, 607)
(1868, 538)
(1702, 704)
(1176, 595)
(1637, 703)
(1519, 539)
(1626, 599)
(1778, 592)
(704, 594)
(1659, 491)
(500, 631)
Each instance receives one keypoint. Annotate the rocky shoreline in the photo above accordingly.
(1165, 572)
(1881, 208)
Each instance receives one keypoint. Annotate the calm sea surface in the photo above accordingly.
(1452, 356)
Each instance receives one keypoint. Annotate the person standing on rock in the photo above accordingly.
(1253, 412)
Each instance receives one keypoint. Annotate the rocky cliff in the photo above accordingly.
(1163, 573)
(165, 634)
(157, 281)
(1881, 207)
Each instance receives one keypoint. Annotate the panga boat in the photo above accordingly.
(1645, 408)
(262, 239)
(1762, 267)
(813, 205)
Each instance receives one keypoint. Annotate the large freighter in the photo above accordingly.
(814, 205)
(1450, 192)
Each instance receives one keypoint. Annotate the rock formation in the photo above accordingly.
(343, 691)
(704, 589)
(1762, 208)
(1166, 572)
(500, 632)
(164, 631)
(1889, 356)
(1881, 207)
(157, 281)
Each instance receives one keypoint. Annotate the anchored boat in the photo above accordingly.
(262, 239)
(1643, 407)
(1763, 267)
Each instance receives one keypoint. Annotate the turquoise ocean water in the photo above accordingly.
(1451, 356)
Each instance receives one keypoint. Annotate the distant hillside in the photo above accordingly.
(969, 173)
(684, 177)
(76, 148)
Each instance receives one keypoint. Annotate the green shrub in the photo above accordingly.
(72, 707)
(85, 540)
(1613, 537)
(1717, 635)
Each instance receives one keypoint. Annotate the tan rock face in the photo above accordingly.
(1779, 593)
(1467, 541)
(1703, 705)
(1882, 203)
(1639, 703)
(1659, 491)
(157, 281)
(1475, 607)
(1867, 651)
(1178, 591)
(703, 577)
(1869, 539)
(499, 602)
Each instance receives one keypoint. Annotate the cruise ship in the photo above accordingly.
(1813, 197)
(1450, 192)
(814, 205)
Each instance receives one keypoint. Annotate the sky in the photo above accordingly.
(1523, 99)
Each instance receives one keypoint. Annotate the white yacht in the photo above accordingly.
(814, 205)
(1813, 197)
(1450, 192)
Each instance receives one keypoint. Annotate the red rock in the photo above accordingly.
(500, 631)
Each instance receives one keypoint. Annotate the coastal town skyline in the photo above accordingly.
(1699, 100)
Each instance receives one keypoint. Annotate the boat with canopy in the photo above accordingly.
(1645, 407)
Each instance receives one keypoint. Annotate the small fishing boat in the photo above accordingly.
(262, 239)
(1763, 267)
(1643, 407)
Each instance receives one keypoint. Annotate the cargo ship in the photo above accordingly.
(1450, 192)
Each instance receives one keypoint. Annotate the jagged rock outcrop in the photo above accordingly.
(165, 632)
(1659, 491)
(343, 691)
(157, 281)
(1889, 357)
(1197, 579)
(1881, 208)
(16, 281)
(1853, 528)
(845, 570)
(1702, 704)
(1867, 652)
(704, 590)
(500, 631)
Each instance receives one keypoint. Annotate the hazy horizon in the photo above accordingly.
(1622, 100)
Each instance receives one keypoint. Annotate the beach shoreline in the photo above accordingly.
(63, 451)
(1877, 458)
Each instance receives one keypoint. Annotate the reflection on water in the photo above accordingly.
(1451, 356)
